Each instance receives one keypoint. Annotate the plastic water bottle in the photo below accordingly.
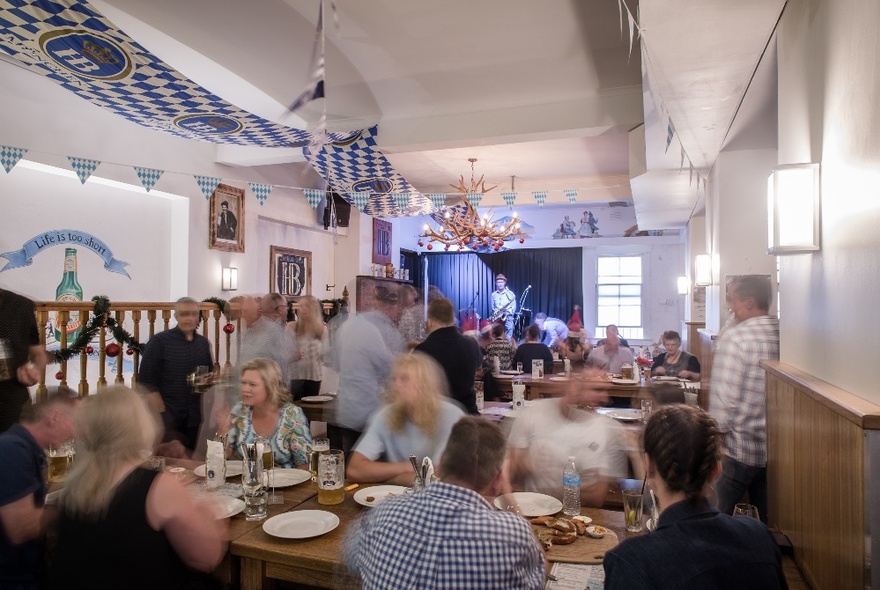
(571, 489)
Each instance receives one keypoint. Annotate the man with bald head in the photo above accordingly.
(610, 356)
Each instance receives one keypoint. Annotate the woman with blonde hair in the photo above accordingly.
(265, 410)
(310, 343)
(150, 532)
(416, 421)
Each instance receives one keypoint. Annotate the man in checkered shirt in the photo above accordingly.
(738, 399)
(448, 535)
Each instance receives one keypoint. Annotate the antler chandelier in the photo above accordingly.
(465, 228)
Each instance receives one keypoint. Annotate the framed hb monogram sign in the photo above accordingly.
(290, 271)
(381, 241)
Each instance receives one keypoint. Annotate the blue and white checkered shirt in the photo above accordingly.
(444, 537)
(738, 397)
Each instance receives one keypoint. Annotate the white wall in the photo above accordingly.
(829, 82)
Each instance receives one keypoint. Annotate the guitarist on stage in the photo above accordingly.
(503, 303)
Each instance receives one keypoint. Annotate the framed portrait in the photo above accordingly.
(226, 221)
(290, 272)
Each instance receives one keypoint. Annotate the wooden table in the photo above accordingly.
(319, 411)
(556, 385)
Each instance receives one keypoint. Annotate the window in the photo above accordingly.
(619, 295)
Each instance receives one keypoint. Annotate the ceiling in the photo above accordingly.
(548, 92)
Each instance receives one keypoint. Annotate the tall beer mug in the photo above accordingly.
(331, 477)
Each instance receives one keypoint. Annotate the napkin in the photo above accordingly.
(215, 465)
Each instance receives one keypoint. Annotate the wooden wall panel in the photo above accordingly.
(816, 475)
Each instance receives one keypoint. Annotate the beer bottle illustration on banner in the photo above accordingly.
(69, 290)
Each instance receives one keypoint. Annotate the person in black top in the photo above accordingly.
(532, 349)
(170, 356)
(227, 224)
(21, 356)
(457, 354)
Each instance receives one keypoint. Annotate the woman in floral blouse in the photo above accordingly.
(265, 410)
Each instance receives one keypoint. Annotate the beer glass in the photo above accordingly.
(331, 477)
(255, 496)
(319, 445)
(60, 459)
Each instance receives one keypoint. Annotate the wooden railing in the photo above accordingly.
(140, 319)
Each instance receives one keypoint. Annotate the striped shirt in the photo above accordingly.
(444, 537)
(738, 396)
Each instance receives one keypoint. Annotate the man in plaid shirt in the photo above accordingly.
(448, 535)
(738, 397)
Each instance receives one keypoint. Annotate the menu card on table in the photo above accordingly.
(576, 576)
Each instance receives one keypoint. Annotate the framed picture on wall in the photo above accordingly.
(290, 271)
(226, 221)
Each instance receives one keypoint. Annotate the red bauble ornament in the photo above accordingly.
(421, 243)
(229, 328)
(89, 349)
(59, 375)
(112, 349)
(129, 351)
(430, 246)
(522, 240)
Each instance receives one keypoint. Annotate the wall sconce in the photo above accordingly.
(229, 281)
(683, 285)
(793, 209)
(702, 270)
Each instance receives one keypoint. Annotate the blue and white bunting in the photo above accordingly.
(148, 176)
(83, 167)
(207, 184)
(438, 199)
(401, 200)
(314, 196)
(475, 198)
(509, 198)
(9, 156)
(571, 194)
(360, 199)
(540, 197)
(261, 191)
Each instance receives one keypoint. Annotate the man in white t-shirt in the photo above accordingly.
(547, 433)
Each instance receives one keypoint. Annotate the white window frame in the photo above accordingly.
(624, 281)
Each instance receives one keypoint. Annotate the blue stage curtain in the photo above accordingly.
(555, 274)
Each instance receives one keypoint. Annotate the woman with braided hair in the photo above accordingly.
(694, 545)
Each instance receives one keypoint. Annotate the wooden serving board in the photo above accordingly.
(584, 550)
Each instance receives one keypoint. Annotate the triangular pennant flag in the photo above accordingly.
(207, 184)
(314, 196)
(149, 176)
(261, 191)
(509, 198)
(83, 167)
(670, 133)
(9, 156)
(475, 198)
(401, 200)
(438, 199)
(540, 197)
(571, 194)
(315, 89)
(360, 199)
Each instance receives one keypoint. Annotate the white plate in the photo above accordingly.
(664, 378)
(625, 415)
(233, 468)
(301, 524)
(284, 478)
(558, 378)
(377, 493)
(617, 381)
(317, 398)
(226, 507)
(511, 372)
(532, 504)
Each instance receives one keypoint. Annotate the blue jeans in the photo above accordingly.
(737, 478)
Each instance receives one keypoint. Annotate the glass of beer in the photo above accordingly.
(331, 477)
(319, 445)
(626, 372)
(60, 460)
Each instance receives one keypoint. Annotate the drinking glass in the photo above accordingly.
(255, 496)
(60, 459)
(519, 367)
(632, 510)
(746, 510)
(647, 408)
(331, 477)
(319, 445)
(268, 456)
(480, 395)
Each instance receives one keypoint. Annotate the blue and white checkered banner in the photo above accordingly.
(63, 237)
(401, 200)
(540, 197)
(475, 198)
(9, 156)
(314, 196)
(437, 199)
(360, 199)
(261, 191)
(83, 167)
(509, 198)
(571, 194)
(207, 184)
(149, 176)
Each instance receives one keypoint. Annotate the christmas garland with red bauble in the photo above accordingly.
(101, 319)
(223, 305)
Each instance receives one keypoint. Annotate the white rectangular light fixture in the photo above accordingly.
(703, 270)
(229, 281)
(683, 285)
(793, 209)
